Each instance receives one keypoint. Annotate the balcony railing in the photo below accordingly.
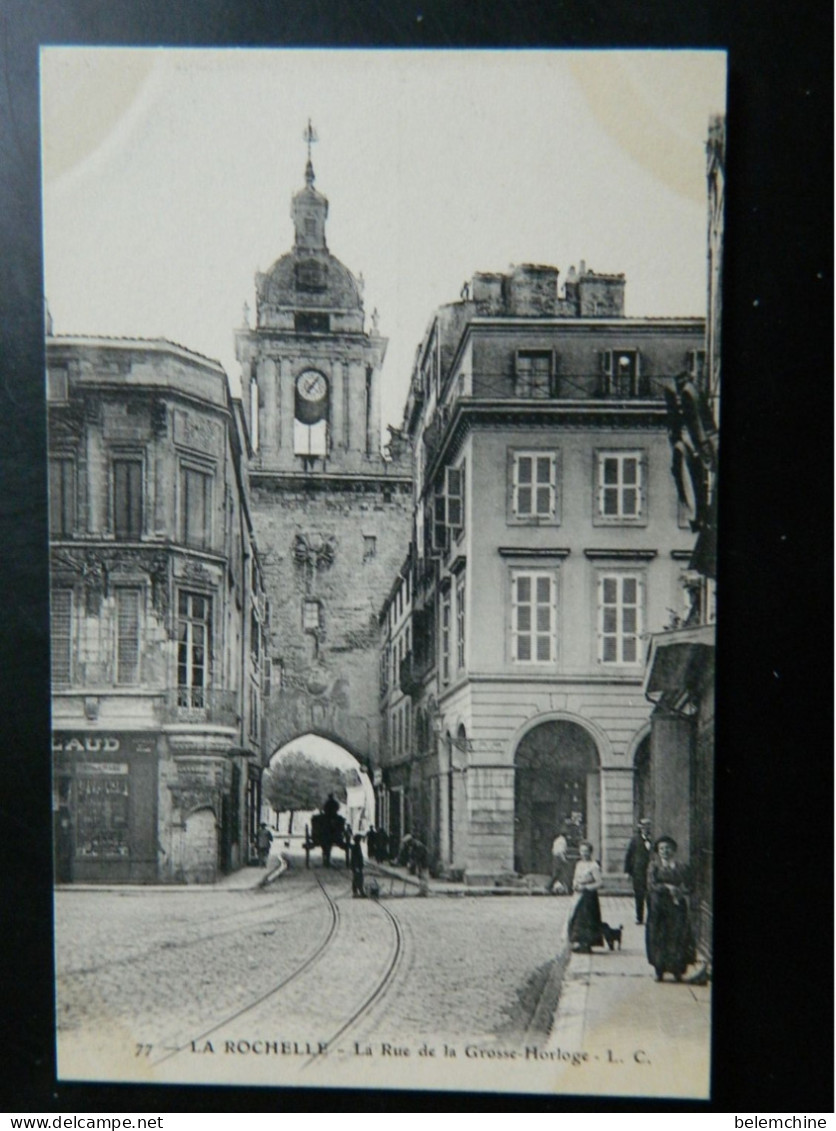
(202, 705)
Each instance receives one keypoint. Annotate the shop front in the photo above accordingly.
(105, 806)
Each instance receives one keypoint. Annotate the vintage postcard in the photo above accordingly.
(383, 391)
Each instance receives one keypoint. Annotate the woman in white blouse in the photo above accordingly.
(585, 923)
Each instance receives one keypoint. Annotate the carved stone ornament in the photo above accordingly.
(315, 550)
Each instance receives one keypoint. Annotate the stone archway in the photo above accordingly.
(360, 805)
(557, 786)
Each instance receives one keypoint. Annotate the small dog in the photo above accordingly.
(374, 889)
(612, 935)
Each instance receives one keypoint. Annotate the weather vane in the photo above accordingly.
(310, 136)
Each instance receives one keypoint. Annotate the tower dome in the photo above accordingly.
(308, 288)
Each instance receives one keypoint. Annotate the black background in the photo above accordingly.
(773, 1023)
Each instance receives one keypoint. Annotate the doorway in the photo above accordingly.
(557, 788)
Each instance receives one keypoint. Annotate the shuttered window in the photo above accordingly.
(445, 637)
(61, 618)
(620, 602)
(620, 485)
(534, 485)
(127, 635)
(533, 616)
(195, 507)
(61, 496)
(534, 374)
(460, 621)
(127, 498)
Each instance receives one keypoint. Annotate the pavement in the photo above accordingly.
(615, 1029)
(607, 995)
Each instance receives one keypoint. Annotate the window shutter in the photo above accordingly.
(455, 501)
(440, 521)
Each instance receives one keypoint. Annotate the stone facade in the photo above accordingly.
(548, 542)
(332, 513)
(158, 615)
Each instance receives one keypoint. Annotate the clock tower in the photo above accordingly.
(332, 512)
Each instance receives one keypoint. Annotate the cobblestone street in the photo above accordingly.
(146, 980)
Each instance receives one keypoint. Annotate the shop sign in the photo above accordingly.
(98, 768)
(92, 743)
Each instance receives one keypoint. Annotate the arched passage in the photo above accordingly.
(359, 806)
(557, 787)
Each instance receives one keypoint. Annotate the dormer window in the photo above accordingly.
(534, 373)
(311, 275)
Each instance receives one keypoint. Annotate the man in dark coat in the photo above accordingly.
(635, 865)
(263, 840)
(357, 868)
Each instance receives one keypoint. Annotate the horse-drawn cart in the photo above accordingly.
(326, 831)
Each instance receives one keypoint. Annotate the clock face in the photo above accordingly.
(312, 386)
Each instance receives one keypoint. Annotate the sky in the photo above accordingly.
(168, 176)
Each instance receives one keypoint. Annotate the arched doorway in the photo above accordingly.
(642, 797)
(557, 786)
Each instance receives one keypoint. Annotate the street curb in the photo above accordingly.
(465, 891)
(282, 867)
(545, 1013)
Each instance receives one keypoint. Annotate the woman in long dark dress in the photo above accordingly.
(669, 940)
(585, 923)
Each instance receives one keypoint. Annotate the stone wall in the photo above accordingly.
(338, 545)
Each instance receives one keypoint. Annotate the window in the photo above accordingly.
(445, 637)
(620, 486)
(102, 793)
(57, 386)
(61, 496)
(194, 648)
(448, 508)
(695, 362)
(460, 594)
(534, 373)
(127, 498)
(254, 727)
(255, 638)
(310, 616)
(621, 373)
(127, 635)
(619, 617)
(311, 322)
(369, 547)
(195, 507)
(533, 616)
(61, 621)
(454, 489)
(534, 486)
(311, 275)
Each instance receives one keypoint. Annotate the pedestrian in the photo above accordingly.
(585, 922)
(405, 851)
(419, 858)
(263, 840)
(636, 861)
(357, 868)
(559, 877)
(371, 842)
(669, 940)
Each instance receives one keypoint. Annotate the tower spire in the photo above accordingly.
(310, 136)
